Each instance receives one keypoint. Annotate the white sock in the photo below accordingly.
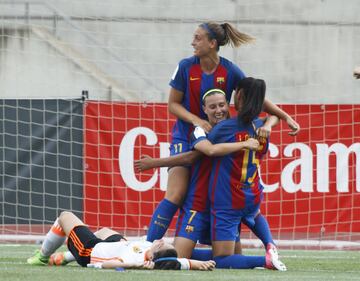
(53, 240)
(68, 256)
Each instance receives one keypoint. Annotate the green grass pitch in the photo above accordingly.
(302, 265)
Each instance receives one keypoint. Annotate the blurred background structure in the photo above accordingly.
(127, 50)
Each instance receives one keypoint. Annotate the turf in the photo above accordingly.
(302, 265)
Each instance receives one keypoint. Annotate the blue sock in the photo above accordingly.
(262, 230)
(239, 261)
(161, 220)
(201, 254)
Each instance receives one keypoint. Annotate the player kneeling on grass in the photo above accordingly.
(90, 250)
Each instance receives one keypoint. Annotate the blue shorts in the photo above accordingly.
(193, 225)
(225, 223)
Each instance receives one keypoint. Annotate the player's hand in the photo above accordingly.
(205, 125)
(294, 126)
(148, 265)
(144, 163)
(202, 265)
(252, 144)
(357, 72)
(264, 131)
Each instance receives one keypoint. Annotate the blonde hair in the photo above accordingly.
(225, 34)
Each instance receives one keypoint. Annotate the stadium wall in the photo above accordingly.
(305, 50)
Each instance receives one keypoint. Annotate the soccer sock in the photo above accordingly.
(53, 239)
(202, 254)
(239, 261)
(262, 230)
(68, 256)
(161, 220)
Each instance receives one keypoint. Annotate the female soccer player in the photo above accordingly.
(193, 222)
(112, 252)
(235, 191)
(192, 78)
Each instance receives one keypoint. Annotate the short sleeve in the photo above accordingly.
(178, 80)
(197, 135)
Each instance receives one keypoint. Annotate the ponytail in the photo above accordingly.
(226, 34)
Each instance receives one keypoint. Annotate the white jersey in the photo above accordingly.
(130, 252)
(123, 251)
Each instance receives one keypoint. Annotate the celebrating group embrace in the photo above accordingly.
(213, 176)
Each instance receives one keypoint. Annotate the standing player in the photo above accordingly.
(192, 78)
(91, 251)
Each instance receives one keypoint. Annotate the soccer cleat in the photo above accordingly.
(272, 259)
(58, 259)
(38, 259)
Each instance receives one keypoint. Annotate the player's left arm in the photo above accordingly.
(116, 263)
(270, 122)
(273, 109)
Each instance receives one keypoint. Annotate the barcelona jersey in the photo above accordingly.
(234, 181)
(194, 83)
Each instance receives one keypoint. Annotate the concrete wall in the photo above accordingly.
(305, 50)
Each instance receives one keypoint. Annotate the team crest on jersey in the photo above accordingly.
(220, 80)
(189, 229)
(136, 249)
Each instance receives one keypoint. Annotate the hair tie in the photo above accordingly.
(166, 259)
(213, 91)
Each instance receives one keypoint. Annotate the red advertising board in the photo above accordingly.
(312, 181)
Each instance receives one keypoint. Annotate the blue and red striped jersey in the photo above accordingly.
(234, 180)
(197, 194)
(194, 83)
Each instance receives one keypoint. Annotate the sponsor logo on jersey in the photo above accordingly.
(136, 249)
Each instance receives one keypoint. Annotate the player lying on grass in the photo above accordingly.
(113, 251)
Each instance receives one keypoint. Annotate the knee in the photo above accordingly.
(63, 215)
(175, 198)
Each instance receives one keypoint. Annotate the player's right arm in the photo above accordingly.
(221, 149)
(176, 108)
(187, 264)
(183, 159)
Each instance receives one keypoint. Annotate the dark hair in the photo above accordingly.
(166, 260)
(253, 95)
(226, 33)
